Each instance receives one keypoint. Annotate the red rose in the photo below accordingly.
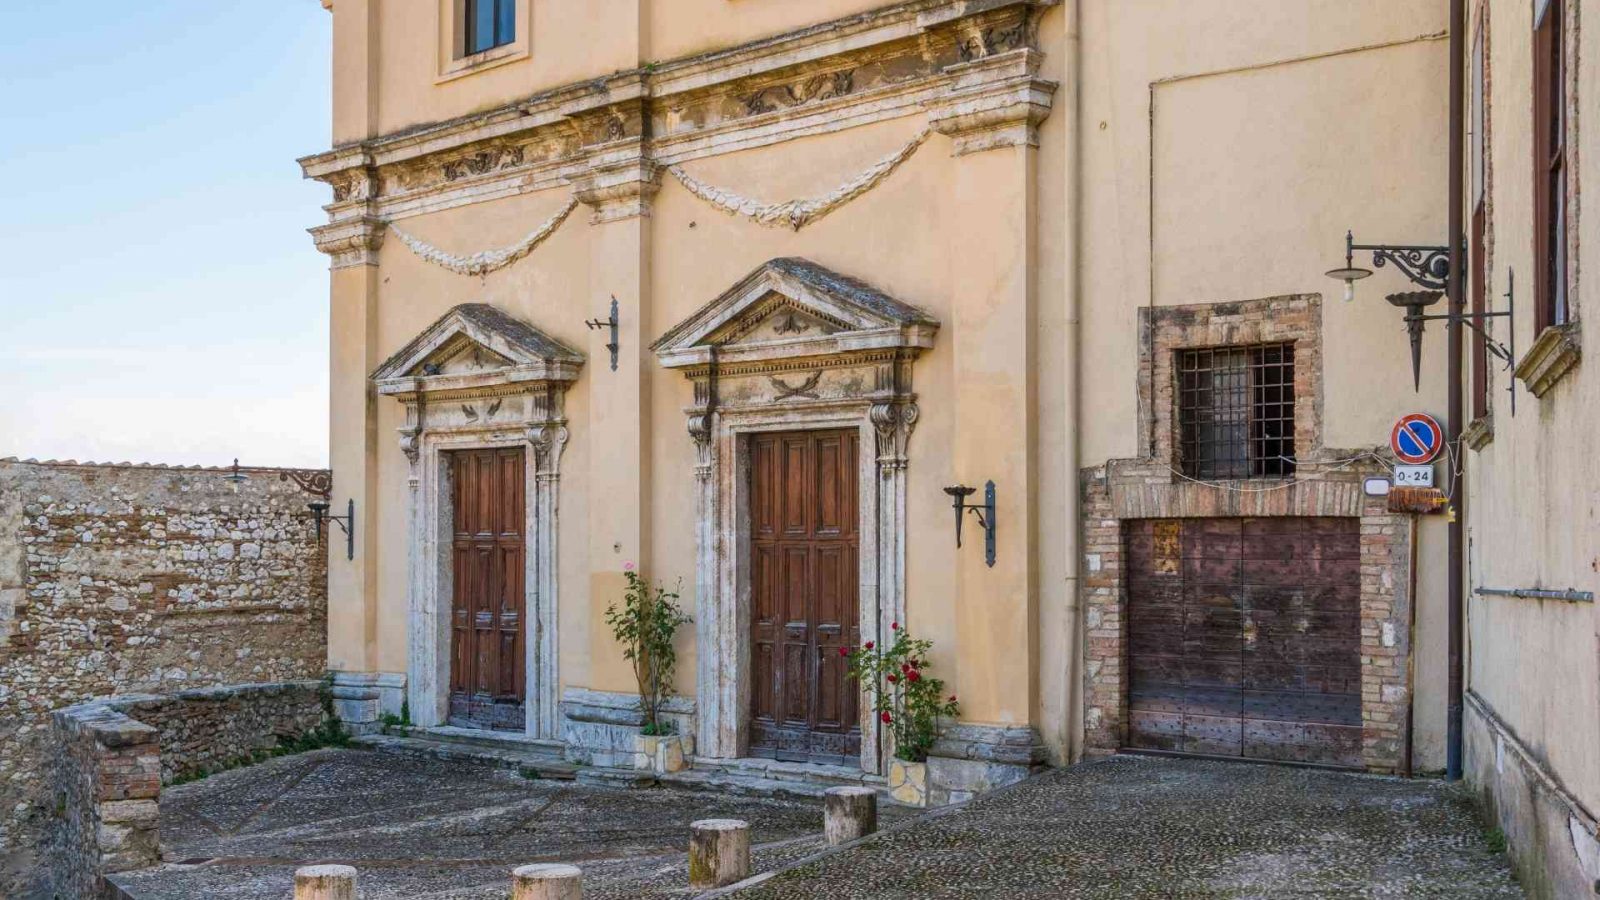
(905, 667)
(913, 675)
(892, 678)
(952, 698)
(844, 651)
(885, 717)
(868, 645)
(894, 626)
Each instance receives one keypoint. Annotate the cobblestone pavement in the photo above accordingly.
(1151, 827)
(426, 829)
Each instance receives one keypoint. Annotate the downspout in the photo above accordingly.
(1075, 642)
(1456, 461)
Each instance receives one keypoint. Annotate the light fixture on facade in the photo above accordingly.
(984, 511)
(1427, 267)
(235, 476)
(346, 523)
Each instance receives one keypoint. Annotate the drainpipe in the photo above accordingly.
(1456, 462)
(1075, 644)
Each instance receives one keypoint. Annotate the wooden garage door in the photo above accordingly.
(804, 603)
(1244, 638)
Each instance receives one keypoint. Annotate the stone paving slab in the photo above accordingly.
(1135, 827)
(421, 828)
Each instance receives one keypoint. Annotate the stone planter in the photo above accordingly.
(662, 753)
(908, 782)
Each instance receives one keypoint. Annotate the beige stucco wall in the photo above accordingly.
(1535, 488)
(1239, 185)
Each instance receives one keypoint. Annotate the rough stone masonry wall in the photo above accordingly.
(123, 579)
(112, 756)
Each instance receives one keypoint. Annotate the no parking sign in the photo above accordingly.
(1416, 439)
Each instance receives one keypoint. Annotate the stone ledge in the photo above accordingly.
(1480, 433)
(1010, 744)
(1557, 349)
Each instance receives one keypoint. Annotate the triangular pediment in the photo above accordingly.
(475, 341)
(792, 307)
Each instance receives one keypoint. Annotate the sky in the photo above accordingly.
(160, 300)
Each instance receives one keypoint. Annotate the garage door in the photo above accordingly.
(1244, 638)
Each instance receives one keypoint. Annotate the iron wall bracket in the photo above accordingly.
(346, 523)
(984, 512)
(597, 324)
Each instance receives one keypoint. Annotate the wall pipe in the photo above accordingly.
(1456, 463)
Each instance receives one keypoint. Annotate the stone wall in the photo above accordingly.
(117, 579)
(110, 758)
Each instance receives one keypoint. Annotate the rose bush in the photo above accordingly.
(904, 696)
(646, 625)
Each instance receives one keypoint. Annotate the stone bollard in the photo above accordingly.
(325, 883)
(547, 881)
(719, 852)
(849, 813)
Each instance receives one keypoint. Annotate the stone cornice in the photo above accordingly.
(969, 63)
(1554, 352)
(350, 241)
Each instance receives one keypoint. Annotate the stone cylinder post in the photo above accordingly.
(547, 881)
(325, 883)
(719, 852)
(849, 813)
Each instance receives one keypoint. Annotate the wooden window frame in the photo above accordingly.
(1478, 247)
(1551, 197)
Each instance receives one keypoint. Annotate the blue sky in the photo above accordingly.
(160, 299)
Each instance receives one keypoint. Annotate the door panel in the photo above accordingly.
(486, 655)
(804, 595)
(1244, 638)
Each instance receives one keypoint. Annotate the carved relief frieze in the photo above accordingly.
(900, 60)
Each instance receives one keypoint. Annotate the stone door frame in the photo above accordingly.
(431, 565)
(479, 379)
(723, 679)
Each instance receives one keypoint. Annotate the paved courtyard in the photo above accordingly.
(1151, 827)
(428, 829)
(1122, 827)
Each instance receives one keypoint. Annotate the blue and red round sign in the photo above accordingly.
(1416, 439)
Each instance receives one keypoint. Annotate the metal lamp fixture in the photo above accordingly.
(346, 523)
(984, 511)
(236, 477)
(1428, 267)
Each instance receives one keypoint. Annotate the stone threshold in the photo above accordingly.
(528, 756)
(754, 776)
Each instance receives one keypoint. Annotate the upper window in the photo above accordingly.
(1478, 247)
(1550, 161)
(1236, 411)
(487, 24)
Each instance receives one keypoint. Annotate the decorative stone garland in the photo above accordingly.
(796, 214)
(485, 261)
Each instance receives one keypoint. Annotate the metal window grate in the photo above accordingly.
(1236, 411)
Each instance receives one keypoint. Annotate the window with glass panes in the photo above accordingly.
(487, 24)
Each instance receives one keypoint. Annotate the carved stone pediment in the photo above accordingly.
(789, 311)
(475, 347)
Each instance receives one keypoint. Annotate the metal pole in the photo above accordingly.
(1456, 461)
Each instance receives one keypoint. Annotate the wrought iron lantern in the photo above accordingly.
(346, 523)
(984, 511)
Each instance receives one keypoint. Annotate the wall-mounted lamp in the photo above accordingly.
(597, 324)
(235, 476)
(1428, 268)
(346, 522)
(1425, 266)
(984, 512)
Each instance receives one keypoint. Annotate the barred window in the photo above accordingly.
(1236, 411)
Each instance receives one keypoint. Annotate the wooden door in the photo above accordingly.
(1244, 638)
(804, 596)
(486, 627)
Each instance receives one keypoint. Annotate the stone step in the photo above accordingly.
(536, 761)
(499, 740)
(778, 770)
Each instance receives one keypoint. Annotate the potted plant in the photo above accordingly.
(646, 625)
(908, 701)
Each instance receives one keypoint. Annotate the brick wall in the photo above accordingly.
(1327, 483)
(148, 579)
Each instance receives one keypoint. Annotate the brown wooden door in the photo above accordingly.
(804, 601)
(486, 629)
(1244, 638)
